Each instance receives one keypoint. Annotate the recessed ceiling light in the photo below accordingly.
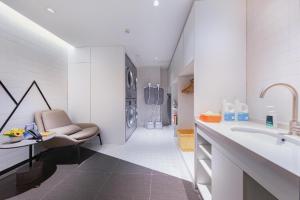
(127, 30)
(156, 58)
(155, 3)
(50, 10)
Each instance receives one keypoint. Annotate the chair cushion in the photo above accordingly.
(39, 121)
(85, 133)
(66, 130)
(55, 119)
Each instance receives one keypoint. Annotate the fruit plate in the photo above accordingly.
(10, 140)
(15, 139)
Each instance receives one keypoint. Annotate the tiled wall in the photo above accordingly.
(26, 56)
(146, 112)
(273, 54)
(153, 75)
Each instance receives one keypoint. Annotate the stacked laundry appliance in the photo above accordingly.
(131, 97)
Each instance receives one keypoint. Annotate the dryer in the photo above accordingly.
(131, 96)
(131, 117)
(131, 79)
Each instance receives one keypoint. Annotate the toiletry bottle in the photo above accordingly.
(228, 112)
(241, 111)
(271, 118)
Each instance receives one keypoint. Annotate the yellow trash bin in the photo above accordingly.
(186, 139)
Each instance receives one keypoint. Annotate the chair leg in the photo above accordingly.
(100, 139)
(78, 153)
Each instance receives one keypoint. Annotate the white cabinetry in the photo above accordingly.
(80, 55)
(189, 40)
(203, 170)
(227, 178)
(79, 92)
(220, 53)
(237, 173)
(97, 90)
(216, 176)
(108, 92)
(176, 63)
(183, 59)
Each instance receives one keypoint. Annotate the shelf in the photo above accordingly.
(203, 165)
(206, 164)
(204, 191)
(206, 149)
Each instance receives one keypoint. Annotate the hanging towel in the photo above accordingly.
(150, 95)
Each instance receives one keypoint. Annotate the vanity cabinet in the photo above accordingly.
(216, 176)
(227, 178)
(225, 169)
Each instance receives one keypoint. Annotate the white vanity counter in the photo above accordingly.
(284, 154)
(266, 155)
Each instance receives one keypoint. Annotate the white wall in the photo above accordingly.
(220, 53)
(164, 84)
(146, 112)
(26, 56)
(273, 54)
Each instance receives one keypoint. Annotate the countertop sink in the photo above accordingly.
(276, 136)
(274, 145)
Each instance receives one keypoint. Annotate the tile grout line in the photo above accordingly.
(150, 190)
(55, 185)
(59, 182)
(108, 178)
(101, 188)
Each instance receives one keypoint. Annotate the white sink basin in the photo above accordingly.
(246, 129)
(273, 144)
(270, 136)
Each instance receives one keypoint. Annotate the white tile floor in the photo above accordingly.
(155, 149)
(188, 157)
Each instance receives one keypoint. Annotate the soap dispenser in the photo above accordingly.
(241, 111)
(228, 111)
(271, 117)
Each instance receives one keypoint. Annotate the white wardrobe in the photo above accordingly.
(96, 90)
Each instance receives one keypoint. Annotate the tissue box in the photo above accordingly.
(210, 118)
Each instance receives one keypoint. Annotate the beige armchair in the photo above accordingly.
(67, 133)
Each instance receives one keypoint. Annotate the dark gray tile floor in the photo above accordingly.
(97, 177)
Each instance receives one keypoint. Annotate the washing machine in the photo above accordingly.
(131, 79)
(131, 117)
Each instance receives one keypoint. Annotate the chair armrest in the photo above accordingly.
(86, 125)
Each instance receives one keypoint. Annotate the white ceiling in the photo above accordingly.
(154, 31)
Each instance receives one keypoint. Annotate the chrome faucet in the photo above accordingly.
(294, 123)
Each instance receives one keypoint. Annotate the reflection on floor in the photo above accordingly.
(98, 176)
(155, 149)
